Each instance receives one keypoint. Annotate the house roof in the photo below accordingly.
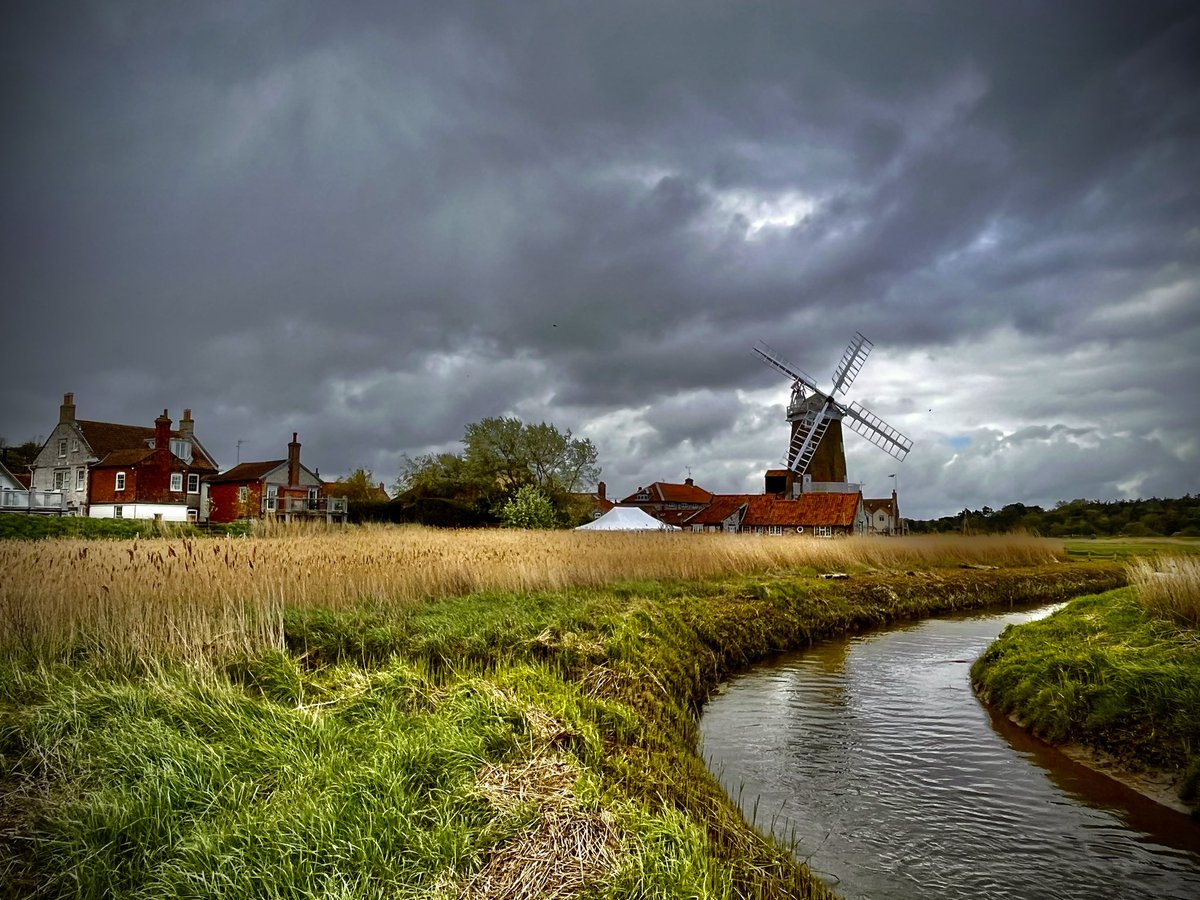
(105, 437)
(248, 471)
(124, 457)
(376, 491)
(806, 510)
(666, 492)
(722, 507)
(7, 474)
(876, 504)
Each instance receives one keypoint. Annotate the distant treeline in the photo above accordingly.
(1101, 518)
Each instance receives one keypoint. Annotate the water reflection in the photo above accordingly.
(873, 755)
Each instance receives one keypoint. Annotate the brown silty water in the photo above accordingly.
(872, 755)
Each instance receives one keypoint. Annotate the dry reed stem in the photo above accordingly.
(190, 598)
(1169, 587)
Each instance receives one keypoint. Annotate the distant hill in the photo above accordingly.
(1103, 518)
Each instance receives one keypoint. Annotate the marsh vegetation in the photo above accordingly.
(409, 713)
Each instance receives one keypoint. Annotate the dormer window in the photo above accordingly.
(644, 495)
(182, 448)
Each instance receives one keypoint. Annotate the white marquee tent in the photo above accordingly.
(626, 518)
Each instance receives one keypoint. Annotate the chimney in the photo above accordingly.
(601, 488)
(688, 481)
(66, 412)
(162, 432)
(293, 462)
(186, 425)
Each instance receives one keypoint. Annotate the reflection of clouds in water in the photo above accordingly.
(887, 771)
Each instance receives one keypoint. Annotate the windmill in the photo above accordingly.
(816, 417)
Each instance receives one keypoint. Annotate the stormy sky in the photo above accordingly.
(374, 223)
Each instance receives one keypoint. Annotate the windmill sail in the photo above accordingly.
(806, 439)
(877, 431)
(851, 364)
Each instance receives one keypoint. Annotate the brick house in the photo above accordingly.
(816, 515)
(143, 483)
(282, 489)
(670, 503)
(76, 445)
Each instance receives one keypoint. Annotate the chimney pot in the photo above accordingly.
(162, 432)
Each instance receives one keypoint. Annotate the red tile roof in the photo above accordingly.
(105, 437)
(247, 471)
(806, 510)
(124, 457)
(722, 507)
(665, 492)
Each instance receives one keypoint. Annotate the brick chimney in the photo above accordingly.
(66, 412)
(688, 481)
(162, 432)
(293, 462)
(601, 488)
(186, 425)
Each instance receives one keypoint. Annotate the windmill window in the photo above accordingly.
(120, 485)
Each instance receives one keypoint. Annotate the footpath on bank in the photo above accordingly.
(497, 745)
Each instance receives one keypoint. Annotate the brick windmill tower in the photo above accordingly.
(816, 449)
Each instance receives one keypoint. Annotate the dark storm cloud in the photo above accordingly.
(380, 223)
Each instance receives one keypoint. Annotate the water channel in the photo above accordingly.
(871, 755)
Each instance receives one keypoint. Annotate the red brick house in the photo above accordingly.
(670, 503)
(282, 489)
(143, 482)
(816, 515)
(75, 445)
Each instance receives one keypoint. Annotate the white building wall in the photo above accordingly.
(170, 512)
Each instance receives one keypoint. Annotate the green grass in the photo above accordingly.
(1105, 673)
(1123, 548)
(25, 527)
(457, 748)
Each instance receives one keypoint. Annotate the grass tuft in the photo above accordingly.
(1169, 587)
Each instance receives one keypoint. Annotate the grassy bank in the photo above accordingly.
(500, 744)
(1118, 672)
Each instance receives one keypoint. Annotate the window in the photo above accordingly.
(193, 484)
(75, 446)
(243, 494)
(120, 485)
(272, 494)
(79, 476)
(182, 449)
(60, 479)
(176, 481)
(118, 511)
(312, 498)
(823, 530)
(775, 529)
(62, 448)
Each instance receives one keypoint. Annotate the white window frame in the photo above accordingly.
(79, 478)
(193, 483)
(62, 480)
(243, 493)
(272, 497)
(314, 496)
(62, 448)
(118, 511)
(177, 482)
(823, 530)
(119, 482)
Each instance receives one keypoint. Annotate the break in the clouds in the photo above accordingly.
(375, 223)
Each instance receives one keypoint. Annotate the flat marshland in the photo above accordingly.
(403, 712)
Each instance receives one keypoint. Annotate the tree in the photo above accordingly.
(18, 457)
(529, 508)
(359, 486)
(501, 455)
(514, 454)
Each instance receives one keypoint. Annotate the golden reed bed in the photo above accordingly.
(188, 598)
